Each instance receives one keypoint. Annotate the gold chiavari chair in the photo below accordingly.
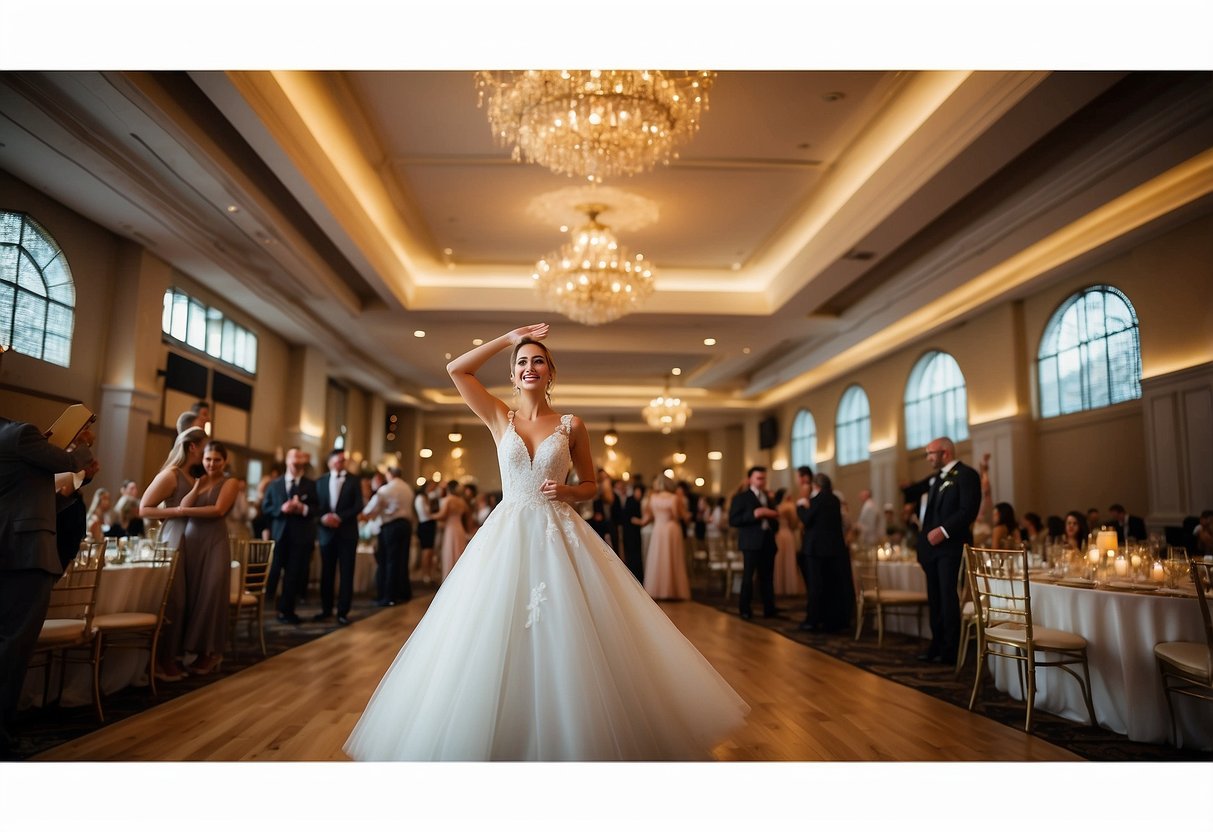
(1186, 667)
(968, 616)
(68, 628)
(1002, 601)
(248, 603)
(140, 629)
(871, 598)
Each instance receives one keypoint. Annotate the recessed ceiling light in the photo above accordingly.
(448, 356)
(232, 209)
(418, 333)
(709, 342)
(715, 455)
(676, 371)
(425, 453)
(477, 342)
(736, 267)
(831, 97)
(699, 482)
(745, 350)
(448, 251)
(563, 229)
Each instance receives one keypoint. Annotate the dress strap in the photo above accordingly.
(566, 424)
(511, 418)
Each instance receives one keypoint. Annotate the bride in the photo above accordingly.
(541, 645)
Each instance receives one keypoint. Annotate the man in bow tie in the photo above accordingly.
(947, 502)
(340, 504)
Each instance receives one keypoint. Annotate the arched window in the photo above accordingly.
(936, 404)
(1089, 355)
(37, 296)
(853, 428)
(804, 440)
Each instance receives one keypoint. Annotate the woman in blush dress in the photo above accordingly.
(162, 501)
(541, 645)
(788, 580)
(453, 514)
(665, 571)
(208, 569)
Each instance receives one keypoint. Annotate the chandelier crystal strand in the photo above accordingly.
(594, 123)
(593, 279)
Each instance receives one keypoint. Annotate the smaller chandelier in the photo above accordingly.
(592, 279)
(595, 123)
(667, 413)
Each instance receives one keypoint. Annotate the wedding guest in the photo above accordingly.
(1005, 534)
(1055, 527)
(983, 525)
(607, 512)
(1093, 519)
(1075, 532)
(393, 504)
(787, 550)
(340, 503)
(665, 572)
(130, 488)
(829, 586)
(454, 515)
(289, 503)
(631, 522)
(425, 507)
(756, 522)
(1127, 525)
(1033, 530)
(1202, 535)
(869, 527)
(187, 420)
(98, 515)
(126, 521)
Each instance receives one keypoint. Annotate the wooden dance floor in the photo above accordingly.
(302, 704)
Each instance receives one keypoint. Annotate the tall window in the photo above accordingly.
(37, 296)
(853, 429)
(936, 404)
(207, 330)
(804, 440)
(1089, 356)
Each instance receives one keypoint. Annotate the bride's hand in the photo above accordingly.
(535, 332)
(550, 489)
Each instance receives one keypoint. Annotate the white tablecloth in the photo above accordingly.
(907, 575)
(125, 587)
(364, 569)
(1121, 630)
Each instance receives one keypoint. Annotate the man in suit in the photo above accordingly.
(756, 521)
(953, 498)
(826, 561)
(291, 504)
(340, 504)
(29, 559)
(393, 504)
(1127, 525)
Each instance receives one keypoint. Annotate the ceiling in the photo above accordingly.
(817, 221)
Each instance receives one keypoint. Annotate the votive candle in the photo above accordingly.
(1156, 572)
(1122, 567)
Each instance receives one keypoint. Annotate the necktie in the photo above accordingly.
(291, 488)
(934, 493)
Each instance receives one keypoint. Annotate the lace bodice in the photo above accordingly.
(521, 476)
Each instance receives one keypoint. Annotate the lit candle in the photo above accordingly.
(1093, 557)
(1156, 571)
(1105, 539)
(1122, 567)
(1136, 561)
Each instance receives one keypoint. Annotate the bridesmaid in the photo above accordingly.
(208, 569)
(788, 580)
(453, 514)
(665, 571)
(162, 501)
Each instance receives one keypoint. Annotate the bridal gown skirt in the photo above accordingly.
(541, 645)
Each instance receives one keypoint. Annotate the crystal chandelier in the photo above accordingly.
(595, 123)
(667, 413)
(592, 279)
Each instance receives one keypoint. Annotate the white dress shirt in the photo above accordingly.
(393, 501)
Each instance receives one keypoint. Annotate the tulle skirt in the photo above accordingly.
(541, 645)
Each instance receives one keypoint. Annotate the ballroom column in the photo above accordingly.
(305, 402)
(1177, 411)
(1010, 444)
(129, 384)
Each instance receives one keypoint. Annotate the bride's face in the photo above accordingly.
(531, 370)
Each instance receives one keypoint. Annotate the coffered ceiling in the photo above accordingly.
(817, 221)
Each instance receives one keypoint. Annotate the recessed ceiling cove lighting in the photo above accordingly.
(677, 371)
(477, 342)
(709, 342)
(418, 333)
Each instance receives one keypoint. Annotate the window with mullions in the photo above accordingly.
(207, 330)
(37, 295)
(1090, 355)
(936, 403)
(804, 440)
(853, 428)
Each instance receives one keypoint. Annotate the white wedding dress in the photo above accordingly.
(541, 645)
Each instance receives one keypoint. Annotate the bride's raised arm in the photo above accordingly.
(462, 370)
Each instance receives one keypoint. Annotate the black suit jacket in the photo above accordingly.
(28, 464)
(607, 525)
(1135, 526)
(749, 528)
(822, 519)
(349, 504)
(291, 529)
(954, 508)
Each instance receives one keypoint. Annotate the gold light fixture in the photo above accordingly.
(667, 413)
(611, 437)
(454, 435)
(593, 279)
(595, 123)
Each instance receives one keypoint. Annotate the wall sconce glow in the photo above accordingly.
(425, 453)
(882, 445)
(454, 436)
(679, 457)
(780, 464)
(421, 481)
(418, 333)
(715, 456)
(456, 453)
(669, 472)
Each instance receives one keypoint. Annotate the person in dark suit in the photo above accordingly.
(633, 514)
(826, 559)
(1127, 525)
(29, 558)
(608, 511)
(291, 504)
(953, 498)
(756, 521)
(340, 495)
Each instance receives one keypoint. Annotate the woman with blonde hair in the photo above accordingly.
(98, 511)
(665, 571)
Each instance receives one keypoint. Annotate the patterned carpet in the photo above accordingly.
(895, 661)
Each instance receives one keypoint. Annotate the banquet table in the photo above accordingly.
(1121, 629)
(907, 575)
(124, 587)
(364, 568)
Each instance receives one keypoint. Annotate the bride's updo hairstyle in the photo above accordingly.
(546, 354)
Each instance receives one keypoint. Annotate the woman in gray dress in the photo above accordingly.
(162, 501)
(208, 568)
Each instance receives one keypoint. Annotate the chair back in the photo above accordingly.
(1200, 579)
(165, 558)
(998, 581)
(258, 555)
(75, 593)
(866, 567)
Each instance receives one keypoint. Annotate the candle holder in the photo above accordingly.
(1157, 573)
(1120, 567)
